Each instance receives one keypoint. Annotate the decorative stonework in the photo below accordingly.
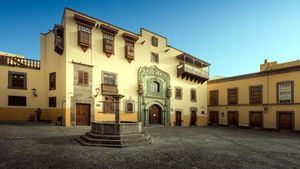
(147, 98)
(82, 93)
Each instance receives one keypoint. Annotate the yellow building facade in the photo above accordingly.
(85, 60)
(267, 99)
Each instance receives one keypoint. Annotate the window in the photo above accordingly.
(129, 46)
(108, 105)
(154, 57)
(129, 51)
(109, 78)
(255, 94)
(285, 92)
(214, 97)
(16, 100)
(129, 106)
(232, 96)
(52, 101)
(17, 80)
(154, 41)
(84, 37)
(178, 93)
(108, 44)
(83, 78)
(52, 81)
(154, 87)
(193, 95)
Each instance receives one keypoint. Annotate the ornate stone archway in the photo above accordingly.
(147, 97)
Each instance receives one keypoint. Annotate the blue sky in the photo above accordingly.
(235, 36)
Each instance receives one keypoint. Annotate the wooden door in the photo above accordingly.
(155, 114)
(233, 119)
(193, 118)
(285, 121)
(178, 118)
(256, 119)
(214, 118)
(82, 114)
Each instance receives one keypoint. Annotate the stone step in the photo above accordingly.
(119, 133)
(115, 137)
(85, 143)
(116, 142)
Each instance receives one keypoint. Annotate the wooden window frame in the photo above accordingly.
(181, 93)
(108, 43)
(237, 96)
(154, 41)
(261, 94)
(10, 80)
(193, 99)
(108, 31)
(52, 102)
(52, 85)
(210, 98)
(84, 42)
(109, 73)
(292, 91)
(129, 46)
(10, 99)
(153, 59)
(108, 101)
(126, 106)
(85, 78)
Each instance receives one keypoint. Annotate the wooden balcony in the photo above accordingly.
(59, 45)
(192, 73)
(59, 39)
(19, 62)
(107, 89)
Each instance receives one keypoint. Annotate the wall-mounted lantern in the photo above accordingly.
(97, 92)
(34, 92)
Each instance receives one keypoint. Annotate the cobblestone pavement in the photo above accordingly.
(41, 146)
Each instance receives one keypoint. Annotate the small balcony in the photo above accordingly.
(107, 89)
(59, 45)
(19, 62)
(193, 69)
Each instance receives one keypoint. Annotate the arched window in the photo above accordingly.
(154, 86)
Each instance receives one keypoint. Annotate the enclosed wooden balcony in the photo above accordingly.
(107, 89)
(19, 62)
(59, 39)
(192, 69)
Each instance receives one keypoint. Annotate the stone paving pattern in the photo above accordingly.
(42, 146)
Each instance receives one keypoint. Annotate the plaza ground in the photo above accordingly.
(46, 146)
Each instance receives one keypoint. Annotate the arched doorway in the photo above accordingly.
(155, 114)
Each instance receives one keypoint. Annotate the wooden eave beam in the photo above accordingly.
(129, 38)
(108, 30)
(84, 21)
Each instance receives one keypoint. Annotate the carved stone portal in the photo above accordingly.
(148, 97)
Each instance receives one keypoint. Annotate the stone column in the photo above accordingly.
(117, 99)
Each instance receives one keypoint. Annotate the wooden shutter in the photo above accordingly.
(214, 97)
(255, 93)
(232, 96)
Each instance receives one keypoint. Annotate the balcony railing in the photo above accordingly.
(107, 89)
(19, 62)
(181, 68)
